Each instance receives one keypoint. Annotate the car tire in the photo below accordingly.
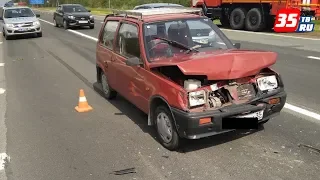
(92, 27)
(8, 37)
(163, 119)
(55, 23)
(65, 24)
(39, 34)
(108, 92)
(237, 18)
(254, 20)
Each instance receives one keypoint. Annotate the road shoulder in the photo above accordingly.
(3, 129)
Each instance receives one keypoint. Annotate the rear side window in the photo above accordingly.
(128, 41)
(109, 32)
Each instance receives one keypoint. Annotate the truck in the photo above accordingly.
(252, 15)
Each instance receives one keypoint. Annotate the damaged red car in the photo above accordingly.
(182, 70)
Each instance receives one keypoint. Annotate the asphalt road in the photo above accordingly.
(47, 139)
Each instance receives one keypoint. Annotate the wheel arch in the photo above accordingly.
(155, 101)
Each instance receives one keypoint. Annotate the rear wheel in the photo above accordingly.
(165, 127)
(237, 18)
(254, 20)
(55, 23)
(108, 92)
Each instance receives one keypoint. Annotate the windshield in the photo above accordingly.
(164, 39)
(19, 12)
(71, 9)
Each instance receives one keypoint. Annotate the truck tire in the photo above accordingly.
(237, 18)
(255, 20)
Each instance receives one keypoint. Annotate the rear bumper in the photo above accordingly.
(188, 123)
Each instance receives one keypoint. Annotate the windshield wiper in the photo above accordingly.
(177, 44)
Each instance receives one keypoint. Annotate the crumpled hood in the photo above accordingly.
(221, 65)
(20, 20)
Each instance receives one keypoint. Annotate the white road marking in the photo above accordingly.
(287, 106)
(73, 31)
(269, 34)
(2, 90)
(313, 57)
(302, 111)
(1, 64)
(4, 158)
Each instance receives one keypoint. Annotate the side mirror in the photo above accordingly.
(89, 10)
(134, 61)
(37, 15)
(237, 45)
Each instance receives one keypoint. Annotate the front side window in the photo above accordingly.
(72, 9)
(109, 32)
(19, 12)
(128, 41)
(170, 38)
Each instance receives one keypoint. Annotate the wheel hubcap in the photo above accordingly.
(253, 20)
(105, 85)
(164, 127)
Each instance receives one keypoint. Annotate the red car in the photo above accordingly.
(180, 69)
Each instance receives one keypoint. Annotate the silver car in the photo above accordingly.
(19, 21)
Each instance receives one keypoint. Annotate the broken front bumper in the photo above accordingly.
(188, 123)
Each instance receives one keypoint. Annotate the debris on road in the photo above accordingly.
(124, 171)
(309, 147)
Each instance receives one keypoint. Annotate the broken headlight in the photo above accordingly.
(267, 83)
(197, 98)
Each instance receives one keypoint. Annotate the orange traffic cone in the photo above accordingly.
(83, 105)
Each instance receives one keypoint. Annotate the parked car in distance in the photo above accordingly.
(156, 5)
(189, 89)
(19, 21)
(72, 15)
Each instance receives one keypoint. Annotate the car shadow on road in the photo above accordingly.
(21, 37)
(129, 110)
(140, 118)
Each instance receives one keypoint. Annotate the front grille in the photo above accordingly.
(200, 32)
(28, 24)
(31, 30)
(82, 18)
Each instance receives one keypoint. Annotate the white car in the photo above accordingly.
(19, 21)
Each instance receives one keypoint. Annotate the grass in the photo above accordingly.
(94, 11)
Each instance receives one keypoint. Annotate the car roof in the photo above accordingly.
(70, 5)
(16, 7)
(163, 14)
(153, 5)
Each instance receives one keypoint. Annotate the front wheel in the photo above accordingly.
(65, 24)
(165, 127)
(92, 27)
(39, 34)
